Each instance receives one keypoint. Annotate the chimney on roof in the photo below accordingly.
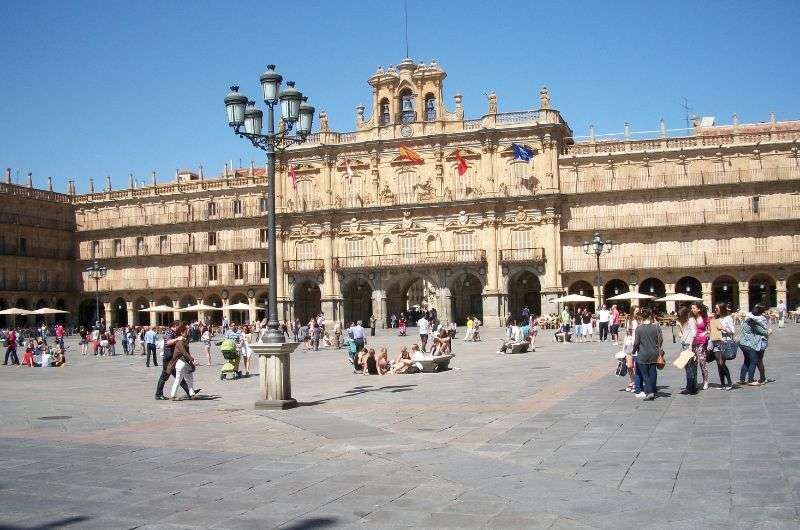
(252, 168)
(662, 125)
(201, 171)
(91, 185)
(627, 131)
(130, 180)
(591, 133)
(772, 119)
(30, 179)
(108, 182)
(71, 187)
(226, 169)
(154, 178)
(49, 183)
(176, 175)
(8, 175)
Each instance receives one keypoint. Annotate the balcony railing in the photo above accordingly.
(664, 219)
(600, 184)
(300, 265)
(678, 261)
(60, 285)
(38, 251)
(50, 223)
(442, 258)
(533, 254)
(222, 212)
(130, 251)
(173, 282)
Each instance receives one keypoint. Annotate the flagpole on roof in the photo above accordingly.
(405, 12)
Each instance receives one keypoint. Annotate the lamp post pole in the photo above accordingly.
(598, 246)
(97, 272)
(274, 363)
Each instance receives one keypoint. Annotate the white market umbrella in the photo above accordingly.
(679, 297)
(158, 309)
(15, 311)
(48, 311)
(241, 306)
(199, 307)
(631, 295)
(574, 299)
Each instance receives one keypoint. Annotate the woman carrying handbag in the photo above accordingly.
(721, 332)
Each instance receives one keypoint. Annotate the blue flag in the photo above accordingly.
(522, 152)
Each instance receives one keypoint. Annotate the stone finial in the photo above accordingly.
(71, 187)
(591, 133)
(153, 176)
(323, 121)
(772, 118)
(30, 179)
(201, 171)
(130, 180)
(662, 127)
(91, 185)
(735, 119)
(627, 132)
(458, 98)
(492, 97)
(108, 182)
(359, 114)
(8, 175)
(49, 183)
(544, 98)
(252, 168)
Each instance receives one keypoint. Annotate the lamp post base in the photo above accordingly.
(274, 375)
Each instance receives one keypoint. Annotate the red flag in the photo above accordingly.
(409, 154)
(293, 176)
(462, 164)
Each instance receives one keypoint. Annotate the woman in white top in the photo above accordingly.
(632, 323)
(722, 332)
(206, 339)
(687, 327)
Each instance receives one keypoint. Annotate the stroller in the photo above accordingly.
(231, 355)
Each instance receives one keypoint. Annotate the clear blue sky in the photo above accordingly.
(112, 87)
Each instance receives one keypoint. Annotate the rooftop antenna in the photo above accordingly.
(686, 108)
(405, 13)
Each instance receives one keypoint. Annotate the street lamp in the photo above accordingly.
(97, 272)
(247, 121)
(598, 247)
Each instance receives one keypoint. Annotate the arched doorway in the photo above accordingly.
(262, 301)
(655, 288)
(22, 320)
(466, 298)
(793, 292)
(40, 303)
(164, 319)
(689, 285)
(411, 297)
(4, 320)
(761, 290)
(725, 290)
(357, 301)
(239, 316)
(613, 288)
(120, 309)
(87, 313)
(582, 288)
(60, 318)
(213, 317)
(307, 301)
(188, 316)
(140, 317)
(524, 290)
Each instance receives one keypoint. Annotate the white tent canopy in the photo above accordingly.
(158, 309)
(15, 311)
(199, 307)
(679, 297)
(631, 295)
(574, 298)
(48, 311)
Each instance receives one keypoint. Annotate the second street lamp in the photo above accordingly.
(97, 272)
(598, 247)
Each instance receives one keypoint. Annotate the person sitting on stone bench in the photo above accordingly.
(563, 334)
(442, 343)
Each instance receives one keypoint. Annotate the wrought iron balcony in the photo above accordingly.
(533, 254)
(304, 265)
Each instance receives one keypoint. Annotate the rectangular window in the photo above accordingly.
(238, 271)
(43, 280)
(406, 182)
(796, 242)
(354, 191)
(262, 204)
(305, 252)
(465, 184)
(720, 205)
(140, 250)
(2, 244)
(519, 172)
(760, 244)
(94, 249)
(163, 245)
(212, 273)
(305, 194)
(521, 242)
(263, 270)
(22, 278)
(687, 247)
(212, 209)
(262, 236)
(754, 202)
(465, 244)
(408, 247)
(723, 246)
(23, 246)
(118, 247)
(2, 278)
(237, 207)
(212, 239)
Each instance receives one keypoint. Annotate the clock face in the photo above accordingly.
(405, 131)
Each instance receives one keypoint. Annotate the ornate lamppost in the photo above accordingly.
(598, 247)
(296, 114)
(97, 272)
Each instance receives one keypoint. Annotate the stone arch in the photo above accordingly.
(689, 285)
(119, 311)
(582, 288)
(239, 316)
(466, 297)
(213, 317)
(307, 300)
(357, 300)
(793, 291)
(60, 318)
(524, 290)
(140, 317)
(411, 293)
(612, 288)
(4, 320)
(262, 301)
(725, 289)
(761, 289)
(185, 301)
(656, 288)
(87, 312)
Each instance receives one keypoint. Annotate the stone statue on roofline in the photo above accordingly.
(544, 98)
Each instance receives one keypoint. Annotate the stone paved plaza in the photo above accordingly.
(541, 440)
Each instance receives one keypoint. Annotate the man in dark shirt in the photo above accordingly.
(170, 338)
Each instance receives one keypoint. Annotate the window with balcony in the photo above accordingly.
(384, 117)
(465, 244)
(723, 246)
(23, 246)
(212, 273)
(163, 245)
(118, 247)
(687, 248)
(43, 280)
(796, 242)
(760, 244)
(22, 278)
(304, 251)
(754, 202)
(407, 106)
(464, 184)
(140, 246)
(353, 191)
(262, 236)
(305, 193)
(521, 242)
(237, 207)
(263, 270)
(406, 184)
(408, 246)
(212, 209)
(238, 271)
(519, 173)
(430, 108)
(720, 206)
(212, 239)
(2, 278)
(94, 249)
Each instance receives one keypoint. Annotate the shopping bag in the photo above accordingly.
(684, 357)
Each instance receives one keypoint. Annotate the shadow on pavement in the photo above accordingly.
(311, 522)
(357, 391)
(58, 523)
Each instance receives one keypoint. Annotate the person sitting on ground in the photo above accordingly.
(442, 343)
(27, 357)
(403, 364)
(360, 361)
(371, 363)
(383, 362)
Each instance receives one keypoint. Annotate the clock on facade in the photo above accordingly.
(405, 131)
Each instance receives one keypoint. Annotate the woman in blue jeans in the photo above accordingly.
(755, 333)
(647, 344)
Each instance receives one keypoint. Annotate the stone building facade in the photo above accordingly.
(714, 212)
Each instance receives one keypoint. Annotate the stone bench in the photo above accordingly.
(434, 364)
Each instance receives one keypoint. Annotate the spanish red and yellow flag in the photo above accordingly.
(462, 164)
(409, 154)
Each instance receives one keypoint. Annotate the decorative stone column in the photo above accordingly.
(131, 313)
(176, 315)
(707, 295)
(744, 296)
(669, 288)
(226, 313)
(274, 375)
(108, 310)
(201, 315)
(379, 307)
(153, 316)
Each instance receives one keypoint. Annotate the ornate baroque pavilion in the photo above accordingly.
(714, 212)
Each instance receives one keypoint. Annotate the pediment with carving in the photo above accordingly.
(464, 221)
(407, 225)
(522, 218)
(304, 231)
(468, 154)
(353, 227)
